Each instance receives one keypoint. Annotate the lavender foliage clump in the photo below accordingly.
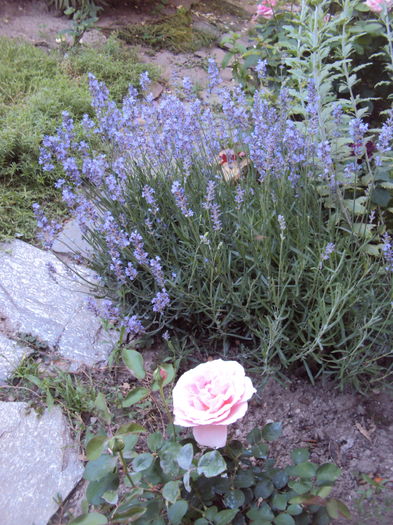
(180, 203)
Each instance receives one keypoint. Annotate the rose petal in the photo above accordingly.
(214, 436)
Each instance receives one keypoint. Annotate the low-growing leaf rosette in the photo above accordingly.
(210, 397)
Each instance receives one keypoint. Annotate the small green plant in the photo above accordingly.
(83, 19)
(56, 386)
(375, 502)
(168, 478)
(62, 5)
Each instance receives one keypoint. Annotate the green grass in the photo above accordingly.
(174, 33)
(35, 87)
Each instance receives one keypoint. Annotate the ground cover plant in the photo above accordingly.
(174, 32)
(35, 87)
(234, 248)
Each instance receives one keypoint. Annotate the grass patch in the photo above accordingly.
(174, 32)
(222, 7)
(35, 87)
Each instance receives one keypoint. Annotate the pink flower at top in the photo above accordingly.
(265, 8)
(377, 5)
(210, 397)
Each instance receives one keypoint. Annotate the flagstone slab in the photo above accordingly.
(42, 297)
(70, 240)
(11, 353)
(39, 464)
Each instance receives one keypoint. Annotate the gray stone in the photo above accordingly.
(93, 38)
(51, 304)
(11, 353)
(38, 464)
(207, 28)
(70, 240)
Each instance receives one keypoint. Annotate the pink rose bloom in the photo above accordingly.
(210, 397)
(377, 5)
(265, 8)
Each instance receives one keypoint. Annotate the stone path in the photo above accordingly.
(42, 300)
(38, 464)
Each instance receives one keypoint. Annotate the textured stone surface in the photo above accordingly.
(38, 463)
(50, 305)
(70, 240)
(11, 353)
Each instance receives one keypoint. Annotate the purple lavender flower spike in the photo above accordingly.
(181, 199)
(160, 301)
(133, 326)
(387, 251)
(214, 74)
(329, 249)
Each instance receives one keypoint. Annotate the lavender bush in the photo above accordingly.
(231, 227)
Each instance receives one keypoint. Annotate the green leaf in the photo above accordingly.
(102, 407)
(280, 479)
(373, 249)
(130, 515)
(186, 481)
(328, 473)
(300, 455)
(300, 487)
(177, 511)
(93, 518)
(294, 509)
(142, 462)
(224, 517)
(168, 455)
(244, 479)
(136, 395)
(304, 470)
(381, 197)
(130, 428)
(236, 448)
(95, 447)
(264, 489)
(234, 499)
(185, 456)
(255, 436)
(272, 431)
(155, 441)
(356, 206)
(363, 230)
(251, 60)
(171, 491)
(130, 440)
(264, 512)
(211, 464)
(279, 502)
(284, 519)
(201, 521)
(260, 451)
(324, 491)
(96, 489)
(134, 362)
(100, 467)
(336, 508)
